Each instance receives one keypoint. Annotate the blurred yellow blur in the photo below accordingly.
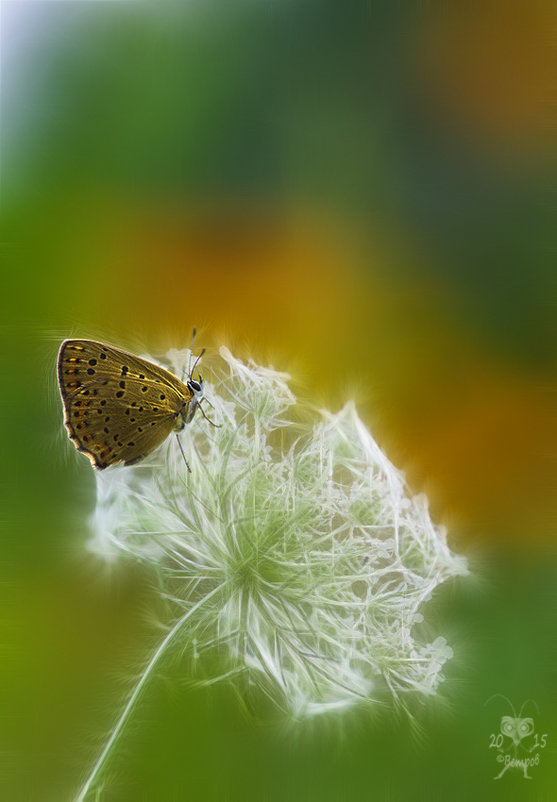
(473, 432)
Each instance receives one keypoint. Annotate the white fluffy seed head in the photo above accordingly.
(305, 558)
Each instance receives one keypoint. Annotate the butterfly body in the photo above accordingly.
(118, 407)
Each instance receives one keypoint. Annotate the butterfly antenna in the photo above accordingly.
(182, 450)
(196, 361)
(191, 349)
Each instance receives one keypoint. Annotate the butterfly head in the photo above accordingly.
(196, 388)
(197, 395)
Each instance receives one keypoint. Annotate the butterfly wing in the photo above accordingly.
(118, 407)
(87, 358)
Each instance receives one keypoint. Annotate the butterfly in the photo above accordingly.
(119, 407)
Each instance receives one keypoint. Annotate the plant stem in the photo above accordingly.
(117, 731)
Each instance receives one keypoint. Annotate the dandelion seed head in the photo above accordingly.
(304, 560)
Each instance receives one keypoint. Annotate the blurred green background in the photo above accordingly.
(359, 194)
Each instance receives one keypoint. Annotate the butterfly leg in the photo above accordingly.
(183, 455)
(207, 418)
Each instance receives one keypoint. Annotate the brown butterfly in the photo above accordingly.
(118, 407)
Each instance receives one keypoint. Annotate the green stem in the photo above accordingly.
(117, 731)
